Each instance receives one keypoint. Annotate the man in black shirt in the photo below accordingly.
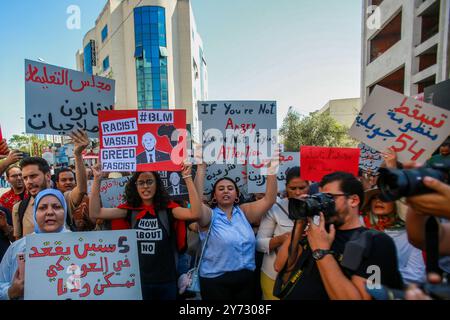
(316, 266)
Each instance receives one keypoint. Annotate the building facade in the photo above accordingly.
(405, 45)
(344, 111)
(152, 49)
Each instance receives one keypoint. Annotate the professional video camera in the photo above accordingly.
(312, 206)
(395, 184)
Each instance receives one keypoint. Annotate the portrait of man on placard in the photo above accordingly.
(150, 154)
(176, 188)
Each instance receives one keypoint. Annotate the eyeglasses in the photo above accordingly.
(142, 184)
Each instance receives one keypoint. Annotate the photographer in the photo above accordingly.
(315, 269)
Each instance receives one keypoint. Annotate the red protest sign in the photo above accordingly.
(317, 162)
(142, 140)
(1, 136)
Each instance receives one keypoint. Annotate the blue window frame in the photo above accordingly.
(106, 63)
(151, 56)
(87, 52)
(104, 33)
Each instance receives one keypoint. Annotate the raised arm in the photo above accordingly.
(12, 158)
(80, 141)
(95, 209)
(193, 213)
(199, 185)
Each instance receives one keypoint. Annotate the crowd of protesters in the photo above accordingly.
(315, 258)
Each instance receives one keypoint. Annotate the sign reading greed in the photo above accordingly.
(100, 265)
(142, 140)
(60, 100)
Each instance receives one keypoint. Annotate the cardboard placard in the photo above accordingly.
(60, 100)
(414, 129)
(318, 162)
(101, 265)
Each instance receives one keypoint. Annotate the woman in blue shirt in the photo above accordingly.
(228, 264)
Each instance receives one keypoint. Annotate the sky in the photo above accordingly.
(301, 53)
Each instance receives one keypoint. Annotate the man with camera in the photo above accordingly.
(337, 255)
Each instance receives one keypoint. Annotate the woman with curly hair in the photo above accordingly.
(159, 224)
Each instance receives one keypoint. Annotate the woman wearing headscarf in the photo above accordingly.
(49, 215)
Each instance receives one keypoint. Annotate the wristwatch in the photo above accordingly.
(320, 253)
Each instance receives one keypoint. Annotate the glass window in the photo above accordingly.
(104, 33)
(137, 17)
(153, 17)
(163, 52)
(88, 58)
(156, 85)
(164, 85)
(155, 52)
(106, 63)
(148, 86)
(154, 28)
(139, 52)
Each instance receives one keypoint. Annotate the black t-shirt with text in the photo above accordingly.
(156, 252)
(382, 254)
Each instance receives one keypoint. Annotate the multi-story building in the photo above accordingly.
(344, 111)
(152, 49)
(405, 45)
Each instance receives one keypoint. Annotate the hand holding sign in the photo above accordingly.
(80, 141)
(3, 147)
(16, 290)
(390, 158)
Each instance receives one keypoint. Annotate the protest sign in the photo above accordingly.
(1, 136)
(413, 129)
(317, 162)
(112, 192)
(174, 184)
(370, 159)
(257, 181)
(216, 171)
(142, 140)
(438, 95)
(235, 132)
(60, 100)
(100, 265)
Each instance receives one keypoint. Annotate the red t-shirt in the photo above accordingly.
(9, 199)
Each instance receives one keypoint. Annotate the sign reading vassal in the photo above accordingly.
(60, 100)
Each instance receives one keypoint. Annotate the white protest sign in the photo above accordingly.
(413, 129)
(60, 100)
(101, 265)
(370, 159)
(112, 192)
(257, 181)
(216, 171)
(237, 131)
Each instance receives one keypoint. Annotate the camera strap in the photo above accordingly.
(432, 246)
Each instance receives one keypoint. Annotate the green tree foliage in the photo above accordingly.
(26, 143)
(314, 130)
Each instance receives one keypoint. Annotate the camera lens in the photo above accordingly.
(395, 184)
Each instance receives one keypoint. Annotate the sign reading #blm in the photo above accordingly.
(142, 140)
